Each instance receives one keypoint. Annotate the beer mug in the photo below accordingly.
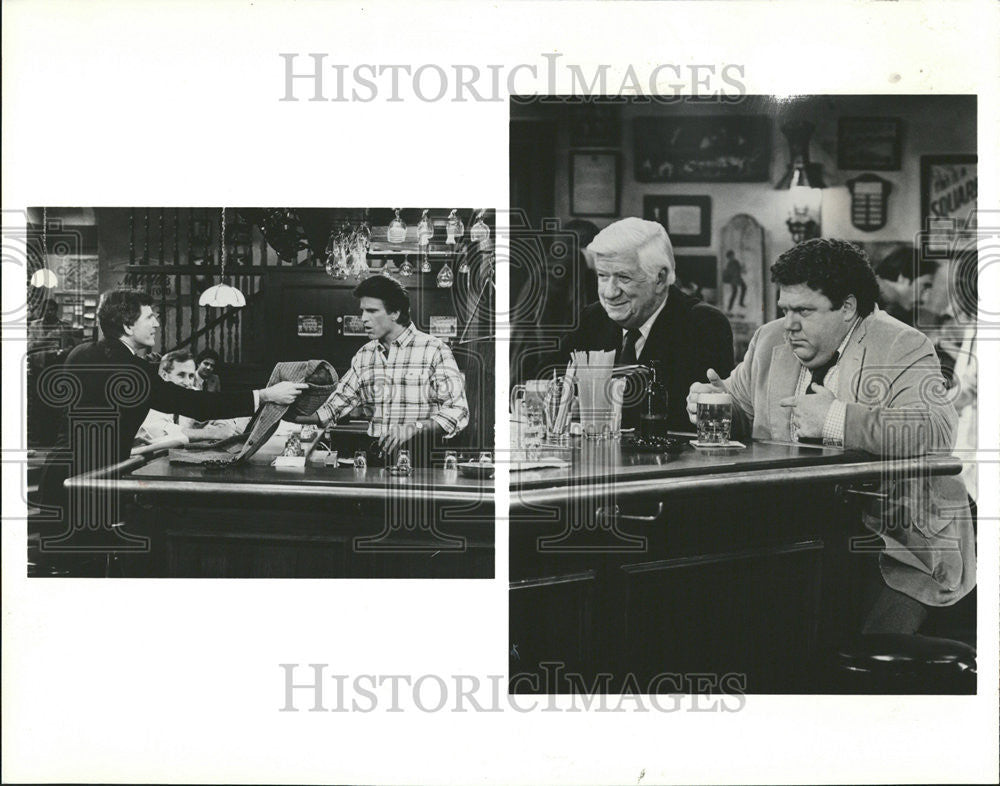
(715, 418)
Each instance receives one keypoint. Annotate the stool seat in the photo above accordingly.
(900, 663)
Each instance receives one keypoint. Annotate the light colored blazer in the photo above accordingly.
(897, 406)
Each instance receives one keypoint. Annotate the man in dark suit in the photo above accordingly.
(644, 318)
(109, 389)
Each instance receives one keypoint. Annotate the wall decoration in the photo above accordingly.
(443, 326)
(352, 326)
(594, 123)
(593, 184)
(949, 187)
(310, 325)
(705, 149)
(687, 219)
(697, 275)
(741, 278)
(869, 201)
(869, 143)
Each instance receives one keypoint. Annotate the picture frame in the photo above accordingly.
(594, 183)
(949, 185)
(687, 219)
(702, 149)
(873, 143)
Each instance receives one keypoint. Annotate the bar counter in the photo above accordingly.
(742, 564)
(256, 520)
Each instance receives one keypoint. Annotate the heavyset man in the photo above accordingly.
(836, 369)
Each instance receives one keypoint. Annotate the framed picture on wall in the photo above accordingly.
(949, 186)
(869, 143)
(593, 183)
(706, 149)
(687, 219)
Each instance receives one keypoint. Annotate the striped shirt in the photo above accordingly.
(415, 378)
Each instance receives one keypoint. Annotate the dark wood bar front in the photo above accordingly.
(258, 521)
(709, 570)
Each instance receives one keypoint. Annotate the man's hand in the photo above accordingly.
(714, 385)
(809, 412)
(283, 393)
(395, 437)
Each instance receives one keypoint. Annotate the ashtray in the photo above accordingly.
(474, 469)
(655, 444)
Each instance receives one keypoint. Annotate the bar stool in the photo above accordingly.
(892, 663)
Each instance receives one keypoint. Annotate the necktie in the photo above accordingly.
(627, 357)
(819, 374)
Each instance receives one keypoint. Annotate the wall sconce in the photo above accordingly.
(803, 181)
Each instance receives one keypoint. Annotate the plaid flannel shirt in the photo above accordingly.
(833, 424)
(415, 379)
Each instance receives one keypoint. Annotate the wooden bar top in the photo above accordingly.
(594, 465)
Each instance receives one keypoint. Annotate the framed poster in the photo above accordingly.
(949, 187)
(593, 183)
(310, 325)
(687, 219)
(353, 326)
(706, 149)
(869, 143)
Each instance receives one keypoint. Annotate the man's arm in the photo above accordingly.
(740, 387)
(447, 391)
(345, 397)
(200, 405)
(911, 414)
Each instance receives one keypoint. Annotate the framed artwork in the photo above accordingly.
(595, 124)
(703, 149)
(697, 276)
(687, 219)
(869, 143)
(949, 186)
(741, 278)
(593, 183)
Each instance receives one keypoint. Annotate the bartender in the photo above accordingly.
(406, 381)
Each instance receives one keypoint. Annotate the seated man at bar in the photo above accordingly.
(110, 376)
(903, 283)
(205, 377)
(645, 318)
(837, 370)
(160, 428)
(407, 381)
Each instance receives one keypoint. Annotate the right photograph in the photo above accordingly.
(743, 394)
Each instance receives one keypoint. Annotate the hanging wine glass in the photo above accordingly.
(480, 233)
(406, 269)
(463, 265)
(396, 232)
(425, 231)
(445, 278)
(455, 228)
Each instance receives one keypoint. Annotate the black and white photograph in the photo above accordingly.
(260, 392)
(500, 392)
(768, 486)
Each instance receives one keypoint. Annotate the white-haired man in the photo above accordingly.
(644, 318)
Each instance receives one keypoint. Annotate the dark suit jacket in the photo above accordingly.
(688, 338)
(105, 378)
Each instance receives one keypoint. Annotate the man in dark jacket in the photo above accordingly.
(644, 318)
(107, 390)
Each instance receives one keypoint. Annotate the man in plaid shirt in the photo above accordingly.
(406, 380)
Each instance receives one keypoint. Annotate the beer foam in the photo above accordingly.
(715, 398)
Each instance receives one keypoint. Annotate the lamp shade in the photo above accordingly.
(222, 295)
(43, 277)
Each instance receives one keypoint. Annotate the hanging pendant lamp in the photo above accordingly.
(222, 294)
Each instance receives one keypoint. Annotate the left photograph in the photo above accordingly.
(232, 392)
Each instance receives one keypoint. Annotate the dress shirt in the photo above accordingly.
(644, 329)
(833, 424)
(414, 378)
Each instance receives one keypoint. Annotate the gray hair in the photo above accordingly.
(635, 239)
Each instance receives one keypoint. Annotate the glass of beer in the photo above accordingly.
(715, 418)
